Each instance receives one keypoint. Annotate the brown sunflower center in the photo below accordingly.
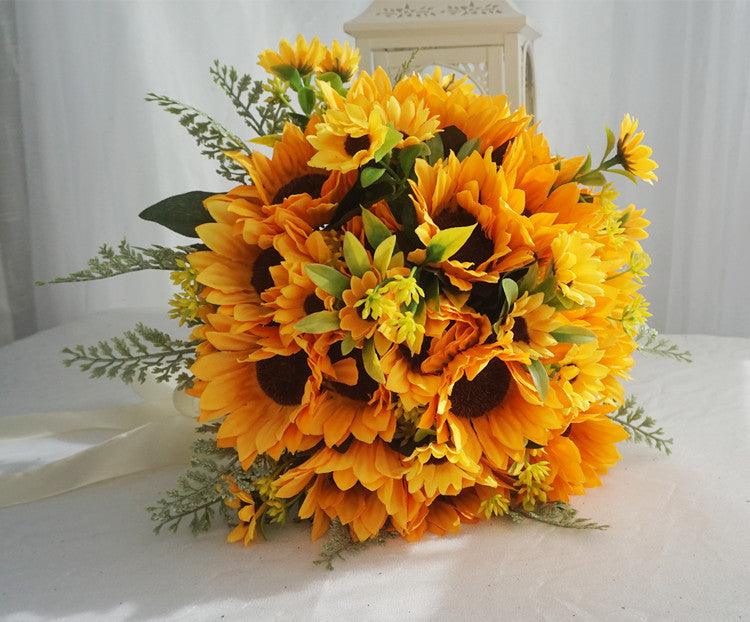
(474, 398)
(261, 278)
(365, 387)
(312, 184)
(283, 378)
(520, 330)
(478, 248)
(353, 145)
(453, 139)
(313, 304)
(415, 360)
(498, 153)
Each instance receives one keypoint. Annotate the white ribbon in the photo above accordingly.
(144, 436)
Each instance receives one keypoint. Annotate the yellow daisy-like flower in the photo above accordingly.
(340, 59)
(530, 322)
(348, 139)
(578, 379)
(247, 517)
(441, 469)
(578, 271)
(634, 156)
(302, 56)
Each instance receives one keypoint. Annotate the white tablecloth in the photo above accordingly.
(678, 547)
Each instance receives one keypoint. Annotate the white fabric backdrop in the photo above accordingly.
(96, 154)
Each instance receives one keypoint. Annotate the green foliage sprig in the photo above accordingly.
(651, 342)
(245, 93)
(200, 492)
(339, 541)
(641, 429)
(558, 514)
(210, 135)
(111, 261)
(132, 356)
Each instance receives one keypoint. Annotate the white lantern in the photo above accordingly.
(490, 42)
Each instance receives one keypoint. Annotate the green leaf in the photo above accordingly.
(408, 155)
(355, 255)
(320, 322)
(529, 279)
(586, 166)
(327, 278)
(372, 362)
(383, 253)
(447, 243)
(594, 178)
(370, 175)
(467, 149)
(510, 288)
(435, 145)
(431, 286)
(392, 138)
(573, 334)
(181, 213)
(540, 378)
(290, 75)
(306, 98)
(347, 345)
(375, 229)
(624, 173)
(334, 80)
(423, 433)
(610, 142)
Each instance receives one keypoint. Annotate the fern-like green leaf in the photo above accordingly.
(137, 353)
(339, 541)
(641, 429)
(649, 341)
(559, 514)
(212, 137)
(111, 261)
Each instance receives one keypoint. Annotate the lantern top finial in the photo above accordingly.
(483, 17)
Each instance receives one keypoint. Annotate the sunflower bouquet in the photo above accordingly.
(407, 313)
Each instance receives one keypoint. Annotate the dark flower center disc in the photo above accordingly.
(353, 145)
(474, 398)
(365, 387)
(261, 278)
(478, 248)
(283, 378)
(313, 304)
(312, 184)
(520, 330)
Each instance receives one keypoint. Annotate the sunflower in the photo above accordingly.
(302, 56)
(247, 517)
(577, 268)
(473, 192)
(440, 469)
(530, 323)
(286, 178)
(404, 374)
(347, 139)
(634, 156)
(578, 376)
(360, 486)
(340, 59)
(581, 452)
(350, 404)
(489, 407)
(259, 400)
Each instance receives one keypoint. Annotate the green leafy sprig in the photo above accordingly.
(111, 261)
(651, 342)
(130, 357)
(558, 514)
(200, 492)
(245, 93)
(339, 541)
(210, 135)
(641, 429)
